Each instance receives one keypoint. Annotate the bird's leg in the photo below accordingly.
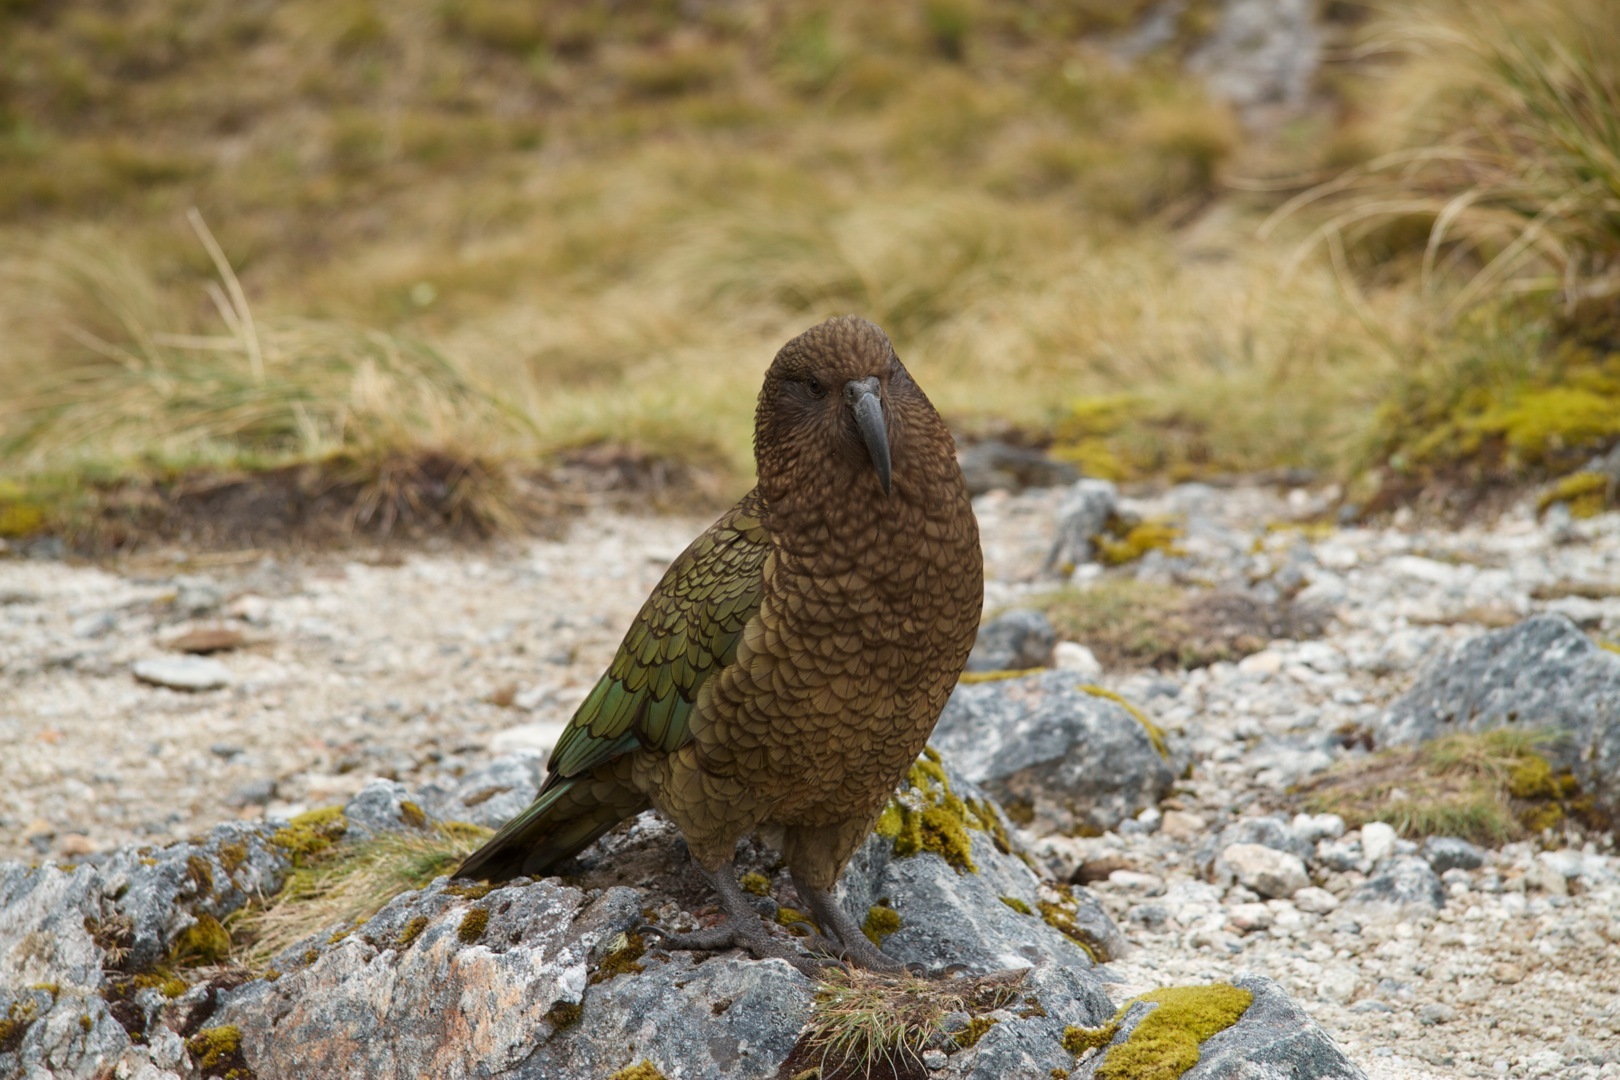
(830, 914)
(743, 928)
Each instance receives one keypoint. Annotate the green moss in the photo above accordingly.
(798, 923)
(1059, 915)
(53, 989)
(411, 931)
(621, 959)
(311, 833)
(1084, 435)
(646, 1070)
(1586, 494)
(1609, 646)
(1134, 541)
(468, 890)
(990, 822)
(311, 955)
(205, 941)
(18, 1018)
(563, 1014)
(200, 873)
(1059, 1074)
(974, 1031)
(1017, 905)
(1164, 1043)
(755, 883)
(473, 925)
(20, 519)
(168, 983)
(412, 815)
(1077, 1040)
(880, 923)
(971, 677)
(216, 1048)
(929, 816)
(1155, 733)
(85, 1023)
(232, 856)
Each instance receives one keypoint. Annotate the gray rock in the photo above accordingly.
(1378, 841)
(196, 594)
(955, 919)
(67, 928)
(252, 793)
(993, 464)
(1436, 1013)
(1271, 831)
(1262, 53)
(98, 625)
(1073, 759)
(1407, 885)
(183, 672)
(439, 1005)
(380, 807)
(1450, 853)
(1014, 641)
(1274, 1040)
(1084, 512)
(1270, 873)
(1030, 1047)
(545, 980)
(1542, 673)
(488, 796)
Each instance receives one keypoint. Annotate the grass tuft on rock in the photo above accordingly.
(868, 1024)
(346, 883)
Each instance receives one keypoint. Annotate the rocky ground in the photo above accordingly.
(1438, 960)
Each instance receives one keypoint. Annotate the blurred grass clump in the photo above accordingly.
(497, 231)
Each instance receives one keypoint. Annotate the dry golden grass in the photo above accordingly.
(1503, 160)
(496, 230)
(347, 884)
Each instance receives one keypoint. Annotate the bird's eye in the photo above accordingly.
(815, 386)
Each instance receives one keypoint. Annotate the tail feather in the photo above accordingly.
(566, 818)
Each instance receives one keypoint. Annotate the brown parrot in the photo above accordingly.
(792, 662)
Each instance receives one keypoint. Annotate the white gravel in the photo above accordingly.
(428, 665)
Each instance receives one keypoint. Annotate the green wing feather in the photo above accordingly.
(687, 630)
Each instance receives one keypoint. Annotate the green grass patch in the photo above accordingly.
(1129, 623)
(1489, 788)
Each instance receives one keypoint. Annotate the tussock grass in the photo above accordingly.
(347, 884)
(868, 1025)
(1506, 168)
(116, 370)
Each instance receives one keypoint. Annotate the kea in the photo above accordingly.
(789, 667)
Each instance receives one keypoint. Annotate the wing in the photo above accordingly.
(686, 631)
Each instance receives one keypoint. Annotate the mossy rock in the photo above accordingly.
(309, 834)
(928, 816)
(1164, 1043)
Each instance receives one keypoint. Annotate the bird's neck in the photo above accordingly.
(827, 520)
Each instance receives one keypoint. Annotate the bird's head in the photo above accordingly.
(833, 410)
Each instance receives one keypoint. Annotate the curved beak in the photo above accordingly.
(864, 402)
